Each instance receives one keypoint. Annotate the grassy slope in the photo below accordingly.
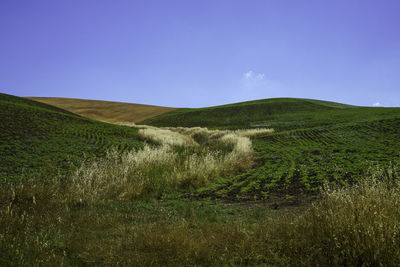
(34, 135)
(315, 141)
(107, 111)
(279, 113)
(298, 162)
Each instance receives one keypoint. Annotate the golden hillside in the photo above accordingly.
(107, 111)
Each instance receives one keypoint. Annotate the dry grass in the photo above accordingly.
(134, 175)
(193, 136)
(355, 226)
(203, 135)
(42, 224)
(107, 111)
(254, 132)
(166, 137)
(154, 171)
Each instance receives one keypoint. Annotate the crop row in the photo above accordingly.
(300, 161)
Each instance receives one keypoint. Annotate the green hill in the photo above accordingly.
(35, 137)
(297, 162)
(279, 113)
(315, 141)
(102, 219)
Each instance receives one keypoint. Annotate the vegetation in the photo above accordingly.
(296, 163)
(36, 137)
(42, 224)
(81, 192)
(281, 114)
(153, 171)
(107, 111)
(314, 142)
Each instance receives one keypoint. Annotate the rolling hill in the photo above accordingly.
(36, 137)
(107, 111)
(279, 113)
(314, 141)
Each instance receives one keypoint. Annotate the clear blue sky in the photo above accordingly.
(200, 53)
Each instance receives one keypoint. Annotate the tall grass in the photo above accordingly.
(42, 224)
(154, 171)
(85, 219)
(157, 170)
(166, 137)
(132, 175)
(353, 226)
(204, 135)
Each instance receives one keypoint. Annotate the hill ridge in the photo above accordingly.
(246, 114)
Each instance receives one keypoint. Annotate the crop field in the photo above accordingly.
(281, 114)
(275, 182)
(315, 142)
(299, 162)
(35, 136)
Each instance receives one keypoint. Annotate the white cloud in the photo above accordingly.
(254, 85)
(248, 75)
(252, 76)
(377, 104)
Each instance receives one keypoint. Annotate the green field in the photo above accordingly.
(282, 114)
(298, 162)
(149, 204)
(278, 113)
(36, 137)
(314, 142)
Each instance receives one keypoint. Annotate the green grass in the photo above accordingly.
(315, 141)
(36, 136)
(44, 223)
(298, 162)
(40, 225)
(279, 113)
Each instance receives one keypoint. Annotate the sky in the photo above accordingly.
(197, 53)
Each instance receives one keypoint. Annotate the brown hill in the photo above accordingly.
(107, 111)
